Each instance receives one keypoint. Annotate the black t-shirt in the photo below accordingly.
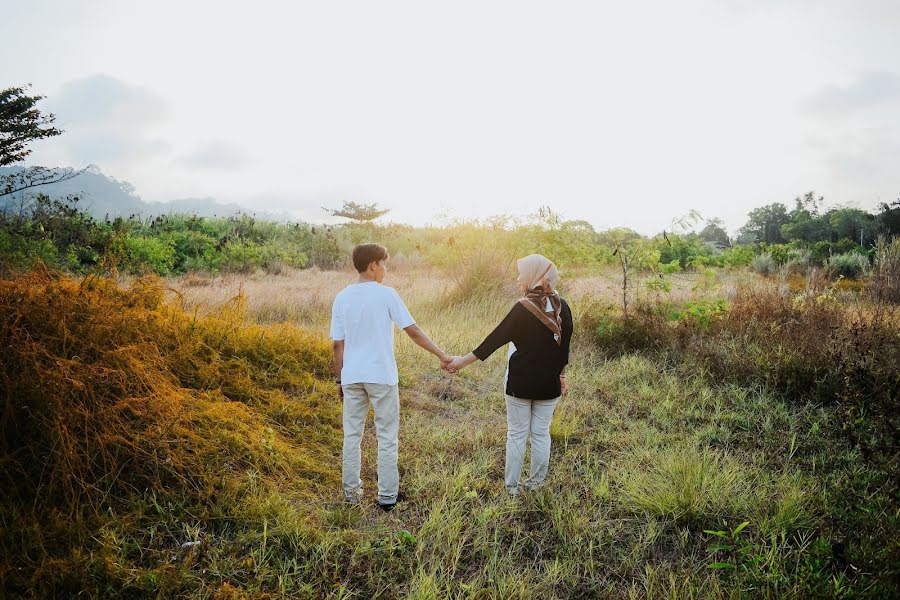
(535, 366)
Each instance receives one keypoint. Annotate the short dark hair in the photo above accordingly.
(366, 254)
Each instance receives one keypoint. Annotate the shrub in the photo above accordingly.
(738, 256)
(884, 280)
(121, 409)
(806, 347)
(851, 265)
(147, 254)
(764, 264)
(240, 257)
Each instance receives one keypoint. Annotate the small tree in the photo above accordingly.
(714, 232)
(358, 213)
(21, 123)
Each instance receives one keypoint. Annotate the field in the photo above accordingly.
(667, 479)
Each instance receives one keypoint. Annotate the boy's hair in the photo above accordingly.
(366, 254)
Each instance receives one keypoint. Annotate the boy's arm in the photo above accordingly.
(337, 364)
(421, 338)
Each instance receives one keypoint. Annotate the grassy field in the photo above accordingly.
(646, 463)
(666, 479)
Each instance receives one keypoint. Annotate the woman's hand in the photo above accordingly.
(562, 384)
(457, 364)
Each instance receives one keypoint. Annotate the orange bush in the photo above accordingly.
(112, 395)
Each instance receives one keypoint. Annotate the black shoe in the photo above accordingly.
(390, 507)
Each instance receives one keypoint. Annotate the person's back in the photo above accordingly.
(362, 326)
(363, 316)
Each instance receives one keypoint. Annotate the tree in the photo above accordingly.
(714, 232)
(889, 217)
(21, 123)
(853, 224)
(360, 213)
(806, 223)
(765, 223)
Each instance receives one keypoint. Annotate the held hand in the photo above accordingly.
(456, 365)
(562, 384)
(446, 359)
(340, 391)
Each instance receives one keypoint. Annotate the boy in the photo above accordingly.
(362, 320)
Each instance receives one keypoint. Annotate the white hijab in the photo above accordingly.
(538, 270)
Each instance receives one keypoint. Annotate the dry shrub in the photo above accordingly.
(112, 395)
(883, 285)
(804, 347)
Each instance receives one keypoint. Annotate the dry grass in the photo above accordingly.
(646, 459)
(115, 398)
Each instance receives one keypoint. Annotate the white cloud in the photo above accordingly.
(107, 121)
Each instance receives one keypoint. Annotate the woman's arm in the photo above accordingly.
(501, 335)
(460, 362)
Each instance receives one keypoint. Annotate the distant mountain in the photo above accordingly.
(103, 196)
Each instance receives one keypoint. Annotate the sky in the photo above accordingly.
(619, 113)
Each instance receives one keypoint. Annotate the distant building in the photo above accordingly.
(717, 246)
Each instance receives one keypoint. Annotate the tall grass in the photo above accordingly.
(651, 460)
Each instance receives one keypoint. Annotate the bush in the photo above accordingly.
(806, 347)
(764, 264)
(147, 254)
(851, 265)
(738, 256)
(124, 415)
(884, 279)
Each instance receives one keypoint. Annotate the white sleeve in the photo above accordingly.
(337, 323)
(399, 313)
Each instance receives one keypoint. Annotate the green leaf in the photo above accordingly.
(740, 528)
(721, 566)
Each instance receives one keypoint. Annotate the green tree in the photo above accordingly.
(807, 224)
(853, 224)
(714, 232)
(21, 123)
(889, 217)
(765, 223)
(359, 213)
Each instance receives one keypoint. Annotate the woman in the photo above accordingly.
(538, 330)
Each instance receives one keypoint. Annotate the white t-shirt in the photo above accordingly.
(363, 315)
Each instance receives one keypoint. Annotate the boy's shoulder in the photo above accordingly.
(370, 289)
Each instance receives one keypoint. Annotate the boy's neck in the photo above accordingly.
(365, 278)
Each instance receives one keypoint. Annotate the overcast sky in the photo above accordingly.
(620, 113)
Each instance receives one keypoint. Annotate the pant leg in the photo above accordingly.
(518, 419)
(355, 409)
(386, 404)
(541, 418)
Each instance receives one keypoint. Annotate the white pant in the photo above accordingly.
(385, 400)
(524, 418)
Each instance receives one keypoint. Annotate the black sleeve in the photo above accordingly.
(502, 334)
(567, 327)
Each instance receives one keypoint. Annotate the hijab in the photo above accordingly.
(541, 299)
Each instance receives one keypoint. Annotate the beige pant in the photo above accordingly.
(524, 419)
(385, 401)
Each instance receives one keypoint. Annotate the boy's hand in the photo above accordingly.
(445, 362)
(456, 365)
(340, 391)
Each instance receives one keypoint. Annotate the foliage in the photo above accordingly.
(21, 123)
(361, 213)
(764, 264)
(123, 412)
(884, 278)
(851, 265)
